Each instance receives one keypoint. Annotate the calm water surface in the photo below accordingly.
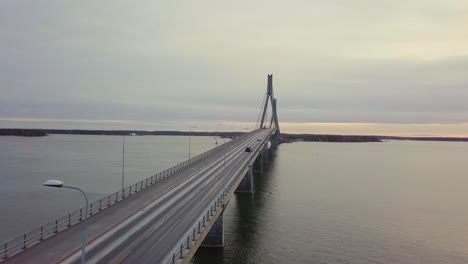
(393, 202)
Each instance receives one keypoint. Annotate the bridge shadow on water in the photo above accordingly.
(243, 223)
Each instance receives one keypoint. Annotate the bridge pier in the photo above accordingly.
(266, 152)
(246, 185)
(260, 162)
(270, 151)
(215, 237)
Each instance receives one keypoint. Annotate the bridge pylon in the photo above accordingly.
(274, 116)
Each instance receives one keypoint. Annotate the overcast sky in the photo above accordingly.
(381, 63)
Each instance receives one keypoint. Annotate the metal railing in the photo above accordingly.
(193, 233)
(37, 235)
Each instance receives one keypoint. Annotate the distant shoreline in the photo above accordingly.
(362, 138)
(22, 132)
(286, 137)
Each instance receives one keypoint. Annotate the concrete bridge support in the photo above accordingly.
(266, 153)
(270, 152)
(258, 164)
(246, 185)
(215, 237)
(262, 158)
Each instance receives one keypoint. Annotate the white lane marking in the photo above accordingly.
(123, 257)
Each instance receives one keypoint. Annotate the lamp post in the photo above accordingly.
(217, 132)
(190, 134)
(234, 123)
(224, 155)
(224, 165)
(59, 184)
(123, 162)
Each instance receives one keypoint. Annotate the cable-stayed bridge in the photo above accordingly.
(162, 219)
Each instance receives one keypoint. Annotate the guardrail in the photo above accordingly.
(16, 245)
(193, 233)
(191, 236)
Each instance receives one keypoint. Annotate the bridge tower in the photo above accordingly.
(274, 116)
(215, 235)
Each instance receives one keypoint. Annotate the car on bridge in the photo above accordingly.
(248, 149)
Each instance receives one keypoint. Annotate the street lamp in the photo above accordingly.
(123, 162)
(224, 167)
(224, 154)
(232, 129)
(217, 131)
(190, 133)
(217, 128)
(59, 184)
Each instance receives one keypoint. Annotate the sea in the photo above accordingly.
(390, 202)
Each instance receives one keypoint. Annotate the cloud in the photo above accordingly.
(333, 61)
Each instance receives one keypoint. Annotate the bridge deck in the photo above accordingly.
(148, 225)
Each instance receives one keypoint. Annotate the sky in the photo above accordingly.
(339, 67)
